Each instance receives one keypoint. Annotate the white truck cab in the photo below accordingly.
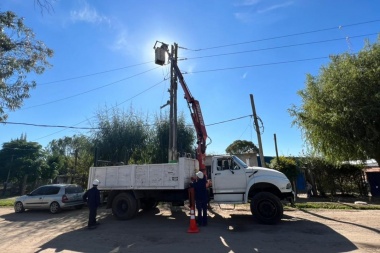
(233, 182)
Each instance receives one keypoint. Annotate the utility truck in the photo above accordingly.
(130, 188)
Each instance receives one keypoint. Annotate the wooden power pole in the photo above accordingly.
(172, 152)
(258, 132)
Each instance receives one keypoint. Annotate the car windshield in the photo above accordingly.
(240, 162)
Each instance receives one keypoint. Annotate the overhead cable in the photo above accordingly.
(278, 47)
(97, 73)
(85, 92)
(285, 36)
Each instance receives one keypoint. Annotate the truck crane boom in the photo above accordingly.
(193, 104)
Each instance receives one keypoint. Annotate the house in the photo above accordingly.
(372, 174)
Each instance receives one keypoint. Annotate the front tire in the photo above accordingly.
(267, 208)
(124, 206)
(19, 207)
(54, 208)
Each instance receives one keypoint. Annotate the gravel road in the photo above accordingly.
(230, 230)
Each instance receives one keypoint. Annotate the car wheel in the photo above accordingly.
(54, 207)
(19, 207)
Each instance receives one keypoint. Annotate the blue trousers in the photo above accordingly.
(202, 212)
(92, 216)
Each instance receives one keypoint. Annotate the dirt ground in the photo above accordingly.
(230, 230)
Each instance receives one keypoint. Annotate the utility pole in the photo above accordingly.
(258, 132)
(275, 144)
(172, 152)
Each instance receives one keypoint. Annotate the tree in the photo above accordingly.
(121, 136)
(241, 146)
(160, 140)
(286, 165)
(71, 156)
(20, 54)
(339, 114)
(44, 4)
(24, 162)
(124, 137)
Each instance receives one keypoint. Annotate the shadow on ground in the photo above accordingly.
(166, 231)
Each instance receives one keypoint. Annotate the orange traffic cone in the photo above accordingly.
(193, 228)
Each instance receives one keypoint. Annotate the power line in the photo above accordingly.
(227, 45)
(257, 65)
(96, 128)
(88, 91)
(43, 125)
(151, 87)
(284, 36)
(97, 73)
(278, 47)
(193, 72)
(229, 120)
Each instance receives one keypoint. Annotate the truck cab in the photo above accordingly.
(233, 182)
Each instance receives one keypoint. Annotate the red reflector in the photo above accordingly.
(64, 198)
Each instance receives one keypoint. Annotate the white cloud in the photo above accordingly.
(257, 13)
(274, 7)
(122, 42)
(244, 75)
(88, 14)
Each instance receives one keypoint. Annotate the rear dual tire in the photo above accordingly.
(125, 206)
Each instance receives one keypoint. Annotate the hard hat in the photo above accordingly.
(95, 182)
(199, 174)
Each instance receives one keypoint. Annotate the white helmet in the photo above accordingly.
(199, 174)
(95, 182)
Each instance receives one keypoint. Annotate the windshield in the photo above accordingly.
(240, 162)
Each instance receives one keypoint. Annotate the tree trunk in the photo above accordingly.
(23, 188)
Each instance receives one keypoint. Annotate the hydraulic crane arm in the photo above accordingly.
(194, 106)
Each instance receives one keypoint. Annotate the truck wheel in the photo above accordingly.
(266, 208)
(124, 206)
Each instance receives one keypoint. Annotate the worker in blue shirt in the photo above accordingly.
(201, 198)
(92, 197)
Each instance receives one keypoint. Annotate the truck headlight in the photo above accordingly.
(289, 186)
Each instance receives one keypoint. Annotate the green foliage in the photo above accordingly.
(160, 140)
(125, 137)
(285, 165)
(23, 161)
(332, 178)
(241, 147)
(71, 156)
(335, 205)
(340, 106)
(7, 202)
(20, 54)
(122, 136)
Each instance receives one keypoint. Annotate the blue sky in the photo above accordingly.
(104, 57)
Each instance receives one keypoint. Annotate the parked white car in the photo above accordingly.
(52, 197)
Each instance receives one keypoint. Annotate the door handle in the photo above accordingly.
(217, 174)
